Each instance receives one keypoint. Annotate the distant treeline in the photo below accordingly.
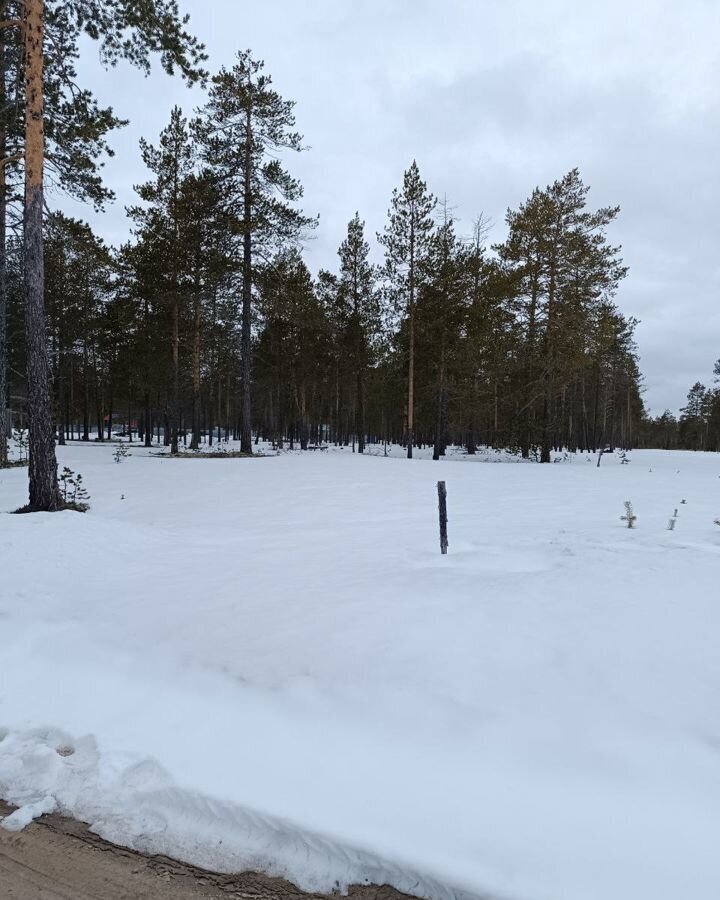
(698, 426)
(209, 323)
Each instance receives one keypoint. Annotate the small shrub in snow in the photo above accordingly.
(73, 491)
(624, 458)
(121, 453)
(629, 516)
(22, 444)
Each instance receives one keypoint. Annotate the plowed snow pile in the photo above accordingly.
(267, 664)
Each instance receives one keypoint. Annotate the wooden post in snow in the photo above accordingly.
(442, 509)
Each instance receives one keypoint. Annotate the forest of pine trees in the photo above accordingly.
(208, 324)
(697, 428)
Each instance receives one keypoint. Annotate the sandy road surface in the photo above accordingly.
(59, 859)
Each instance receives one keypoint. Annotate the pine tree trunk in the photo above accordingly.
(246, 335)
(195, 442)
(546, 432)
(437, 445)
(99, 397)
(411, 336)
(361, 410)
(175, 402)
(44, 492)
(110, 415)
(4, 425)
(303, 419)
(548, 419)
(61, 394)
(86, 396)
(148, 420)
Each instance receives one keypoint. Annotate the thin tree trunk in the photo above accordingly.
(437, 446)
(148, 420)
(411, 337)
(61, 394)
(86, 395)
(4, 426)
(99, 398)
(175, 403)
(246, 335)
(361, 410)
(44, 492)
(110, 415)
(548, 419)
(195, 441)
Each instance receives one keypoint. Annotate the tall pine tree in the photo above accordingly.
(245, 125)
(407, 240)
(126, 31)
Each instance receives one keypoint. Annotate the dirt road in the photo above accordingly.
(59, 859)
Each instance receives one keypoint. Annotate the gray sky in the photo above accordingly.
(492, 98)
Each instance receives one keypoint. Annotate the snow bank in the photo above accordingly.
(267, 664)
(133, 802)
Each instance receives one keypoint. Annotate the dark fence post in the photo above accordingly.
(442, 509)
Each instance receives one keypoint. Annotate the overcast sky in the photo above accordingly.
(492, 97)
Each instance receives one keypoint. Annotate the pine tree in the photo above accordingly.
(407, 239)
(440, 313)
(694, 418)
(124, 31)
(293, 353)
(359, 298)
(79, 271)
(165, 219)
(8, 56)
(564, 269)
(75, 132)
(488, 347)
(245, 124)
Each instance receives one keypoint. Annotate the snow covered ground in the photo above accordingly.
(267, 664)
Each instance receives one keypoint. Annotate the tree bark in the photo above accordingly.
(439, 418)
(246, 332)
(361, 410)
(86, 394)
(175, 400)
(195, 440)
(148, 420)
(411, 338)
(4, 425)
(44, 492)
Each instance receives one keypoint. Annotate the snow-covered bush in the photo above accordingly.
(22, 444)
